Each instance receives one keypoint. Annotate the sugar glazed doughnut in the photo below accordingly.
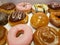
(55, 18)
(39, 8)
(24, 39)
(23, 6)
(17, 17)
(3, 35)
(46, 36)
(39, 20)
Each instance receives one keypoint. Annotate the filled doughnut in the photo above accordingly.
(24, 38)
(39, 8)
(54, 7)
(17, 17)
(55, 19)
(7, 8)
(39, 19)
(25, 7)
(3, 34)
(3, 18)
(46, 36)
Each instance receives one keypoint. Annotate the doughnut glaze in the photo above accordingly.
(54, 6)
(3, 18)
(3, 33)
(18, 17)
(39, 8)
(46, 36)
(39, 20)
(55, 19)
(24, 39)
(24, 6)
(7, 8)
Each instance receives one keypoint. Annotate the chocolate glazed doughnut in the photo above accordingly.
(54, 6)
(3, 18)
(18, 18)
(46, 36)
(7, 8)
(55, 19)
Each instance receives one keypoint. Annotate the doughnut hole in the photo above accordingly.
(20, 33)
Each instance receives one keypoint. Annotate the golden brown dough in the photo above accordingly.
(39, 20)
(46, 36)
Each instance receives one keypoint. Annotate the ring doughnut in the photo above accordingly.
(55, 18)
(24, 39)
(23, 6)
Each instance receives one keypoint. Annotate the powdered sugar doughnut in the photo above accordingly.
(24, 39)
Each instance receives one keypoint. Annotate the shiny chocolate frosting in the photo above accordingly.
(54, 5)
(8, 6)
(46, 36)
(3, 18)
(17, 16)
(2, 32)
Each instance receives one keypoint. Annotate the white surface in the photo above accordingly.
(30, 15)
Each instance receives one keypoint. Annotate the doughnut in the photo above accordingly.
(46, 36)
(39, 19)
(54, 7)
(55, 19)
(3, 18)
(7, 8)
(3, 35)
(24, 38)
(24, 6)
(17, 17)
(39, 8)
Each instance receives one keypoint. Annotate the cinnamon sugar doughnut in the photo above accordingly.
(46, 36)
(55, 18)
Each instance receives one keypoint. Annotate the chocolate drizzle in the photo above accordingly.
(8, 6)
(17, 16)
(54, 6)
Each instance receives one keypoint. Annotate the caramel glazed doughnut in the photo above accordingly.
(18, 18)
(46, 36)
(3, 33)
(55, 19)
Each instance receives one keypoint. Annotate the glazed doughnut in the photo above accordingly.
(3, 18)
(23, 6)
(46, 36)
(39, 19)
(17, 17)
(55, 18)
(39, 8)
(54, 7)
(3, 34)
(24, 39)
(7, 8)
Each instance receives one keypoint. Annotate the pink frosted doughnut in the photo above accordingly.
(24, 39)
(24, 6)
